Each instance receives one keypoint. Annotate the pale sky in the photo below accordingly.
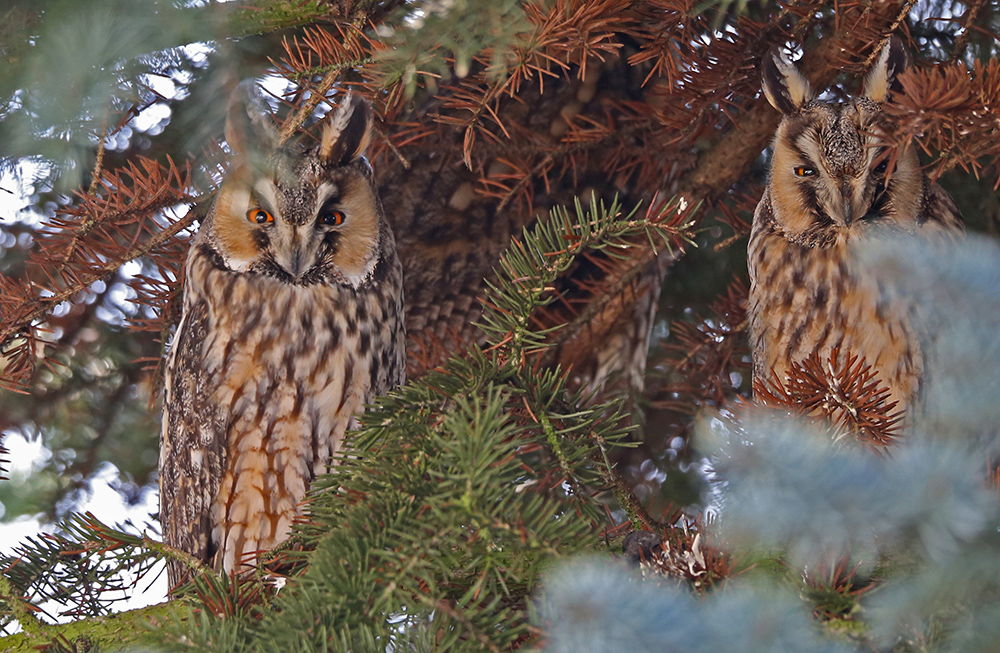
(104, 502)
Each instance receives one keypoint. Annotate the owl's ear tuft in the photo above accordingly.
(250, 130)
(785, 87)
(347, 134)
(892, 60)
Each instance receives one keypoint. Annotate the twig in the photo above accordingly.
(970, 17)
(169, 552)
(95, 178)
(630, 503)
(892, 28)
(318, 94)
(29, 622)
(45, 304)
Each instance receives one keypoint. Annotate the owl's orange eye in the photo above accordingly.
(260, 216)
(333, 218)
(803, 171)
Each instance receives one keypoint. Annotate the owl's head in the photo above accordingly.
(833, 173)
(299, 214)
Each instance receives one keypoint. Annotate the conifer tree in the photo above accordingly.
(563, 175)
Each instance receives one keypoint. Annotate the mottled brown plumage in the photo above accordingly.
(292, 320)
(835, 181)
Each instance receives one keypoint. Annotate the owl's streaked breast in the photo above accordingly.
(812, 299)
(286, 400)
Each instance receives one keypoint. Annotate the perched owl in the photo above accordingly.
(835, 180)
(292, 320)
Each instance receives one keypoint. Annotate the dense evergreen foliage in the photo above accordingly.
(540, 139)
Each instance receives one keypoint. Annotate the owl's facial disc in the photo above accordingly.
(830, 172)
(346, 216)
(307, 235)
(290, 244)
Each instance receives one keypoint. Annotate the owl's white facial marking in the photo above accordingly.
(237, 234)
(294, 247)
(839, 186)
(266, 195)
(325, 191)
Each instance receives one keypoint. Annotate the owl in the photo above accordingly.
(292, 320)
(835, 180)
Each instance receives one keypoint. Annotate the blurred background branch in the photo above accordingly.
(490, 116)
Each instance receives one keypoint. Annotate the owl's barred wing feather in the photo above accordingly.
(940, 214)
(193, 443)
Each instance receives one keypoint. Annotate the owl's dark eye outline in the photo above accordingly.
(803, 171)
(259, 216)
(333, 218)
(881, 167)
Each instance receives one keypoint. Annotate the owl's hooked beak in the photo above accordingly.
(852, 200)
(295, 269)
(297, 253)
(846, 197)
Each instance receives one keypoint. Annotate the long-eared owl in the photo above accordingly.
(292, 321)
(835, 179)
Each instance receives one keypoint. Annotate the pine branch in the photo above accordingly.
(637, 514)
(482, 477)
(320, 52)
(526, 273)
(945, 111)
(294, 122)
(85, 244)
(702, 355)
(229, 595)
(137, 628)
(20, 609)
(677, 224)
(844, 390)
(835, 589)
(80, 566)
(968, 23)
(260, 16)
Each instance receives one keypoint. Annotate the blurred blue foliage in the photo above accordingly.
(956, 288)
(924, 520)
(592, 606)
